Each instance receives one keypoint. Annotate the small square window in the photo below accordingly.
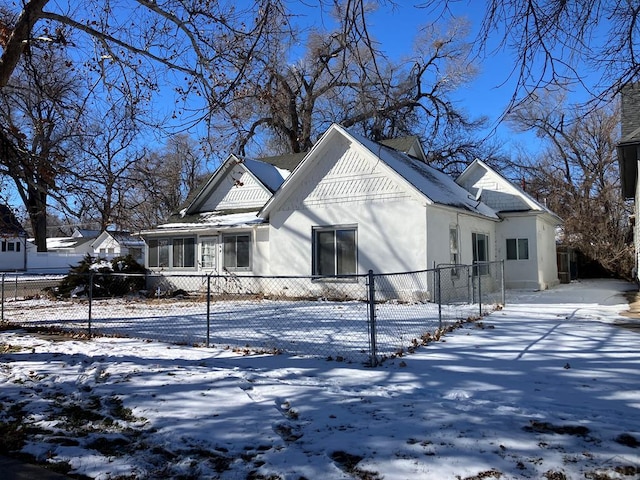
(517, 248)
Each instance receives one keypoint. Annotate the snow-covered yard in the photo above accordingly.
(548, 387)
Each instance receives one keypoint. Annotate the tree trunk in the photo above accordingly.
(19, 39)
(37, 210)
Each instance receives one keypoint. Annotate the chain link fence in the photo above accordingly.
(360, 318)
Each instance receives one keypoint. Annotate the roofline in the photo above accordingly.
(536, 205)
(335, 127)
(163, 232)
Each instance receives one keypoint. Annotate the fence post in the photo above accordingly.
(480, 289)
(2, 300)
(502, 284)
(438, 274)
(208, 308)
(372, 319)
(90, 301)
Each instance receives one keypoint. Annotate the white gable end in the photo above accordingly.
(344, 173)
(495, 192)
(238, 190)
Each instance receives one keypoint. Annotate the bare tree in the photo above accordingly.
(206, 45)
(343, 79)
(38, 119)
(162, 180)
(108, 151)
(577, 176)
(559, 42)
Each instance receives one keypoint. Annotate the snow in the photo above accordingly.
(270, 176)
(209, 219)
(547, 386)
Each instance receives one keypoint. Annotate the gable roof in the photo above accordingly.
(124, 239)
(9, 224)
(506, 188)
(67, 243)
(427, 182)
(266, 175)
(285, 162)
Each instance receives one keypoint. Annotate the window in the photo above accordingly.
(517, 248)
(172, 252)
(236, 251)
(480, 252)
(7, 246)
(184, 252)
(453, 249)
(334, 251)
(208, 253)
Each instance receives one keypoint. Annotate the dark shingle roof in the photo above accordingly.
(401, 144)
(286, 162)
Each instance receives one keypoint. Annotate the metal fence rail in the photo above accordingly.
(363, 318)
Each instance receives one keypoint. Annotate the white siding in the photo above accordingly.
(496, 193)
(11, 259)
(238, 190)
(353, 178)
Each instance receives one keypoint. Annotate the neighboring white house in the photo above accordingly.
(64, 252)
(110, 244)
(351, 205)
(13, 239)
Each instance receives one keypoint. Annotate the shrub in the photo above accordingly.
(107, 278)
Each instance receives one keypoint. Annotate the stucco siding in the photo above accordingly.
(519, 273)
(390, 236)
(548, 265)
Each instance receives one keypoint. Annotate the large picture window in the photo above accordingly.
(237, 252)
(480, 253)
(517, 248)
(172, 252)
(334, 251)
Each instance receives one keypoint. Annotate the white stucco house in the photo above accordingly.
(350, 205)
(13, 239)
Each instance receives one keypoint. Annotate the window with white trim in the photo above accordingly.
(517, 249)
(237, 251)
(177, 252)
(480, 246)
(454, 257)
(9, 246)
(334, 251)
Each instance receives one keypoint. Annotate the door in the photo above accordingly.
(209, 254)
